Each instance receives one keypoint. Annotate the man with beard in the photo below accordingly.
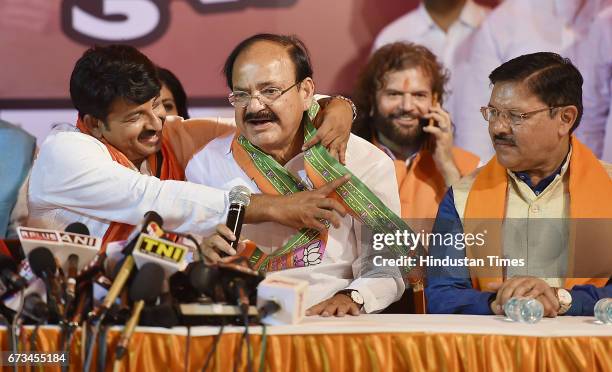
(399, 95)
(543, 204)
(271, 81)
(127, 157)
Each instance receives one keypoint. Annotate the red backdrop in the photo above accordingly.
(40, 39)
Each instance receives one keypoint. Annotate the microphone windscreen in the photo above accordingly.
(77, 228)
(240, 195)
(147, 284)
(152, 216)
(203, 277)
(42, 261)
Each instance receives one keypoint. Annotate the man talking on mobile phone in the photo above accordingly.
(399, 96)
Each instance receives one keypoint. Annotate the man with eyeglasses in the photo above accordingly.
(541, 206)
(272, 89)
(127, 157)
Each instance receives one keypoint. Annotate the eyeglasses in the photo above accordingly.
(266, 96)
(514, 117)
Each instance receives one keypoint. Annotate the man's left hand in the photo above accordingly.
(525, 286)
(338, 305)
(336, 120)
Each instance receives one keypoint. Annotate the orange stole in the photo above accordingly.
(170, 170)
(421, 185)
(590, 190)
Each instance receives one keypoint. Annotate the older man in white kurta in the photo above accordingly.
(270, 78)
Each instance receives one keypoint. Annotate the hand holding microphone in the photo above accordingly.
(220, 244)
(226, 240)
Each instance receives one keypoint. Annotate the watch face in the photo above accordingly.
(357, 297)
(564, 296)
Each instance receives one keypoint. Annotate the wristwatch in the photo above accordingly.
(565, 300)
(354, 295)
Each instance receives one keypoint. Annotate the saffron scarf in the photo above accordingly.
(590, 195)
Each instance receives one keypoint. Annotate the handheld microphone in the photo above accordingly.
(171, 256)
(281, 300)
(152, 223)
(146, 286)
(239, 198)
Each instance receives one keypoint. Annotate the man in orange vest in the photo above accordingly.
(537, 214)
(399, 96)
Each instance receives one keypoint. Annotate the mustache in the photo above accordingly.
(399, 114)
(504, 139)
(147, 133)
(266, 115)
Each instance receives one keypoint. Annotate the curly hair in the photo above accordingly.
(393, 57)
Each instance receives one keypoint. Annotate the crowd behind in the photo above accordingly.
(460, 112)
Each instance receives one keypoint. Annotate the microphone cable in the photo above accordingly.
(213, 348)
(187, 348)
(238, 356)
(264, 345)
(247, 337)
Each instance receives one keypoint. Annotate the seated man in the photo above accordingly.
(18, 151)
(399, 97)
(542, 199)
(272, 88)
(128, 158)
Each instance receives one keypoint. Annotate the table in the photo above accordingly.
(373, 342)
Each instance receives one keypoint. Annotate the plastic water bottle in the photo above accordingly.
(603, 310)
(524, 310)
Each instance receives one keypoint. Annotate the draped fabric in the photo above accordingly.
(353, 352)
(422, 187)
(590, 195)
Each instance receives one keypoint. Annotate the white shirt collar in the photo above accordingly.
(470, 15)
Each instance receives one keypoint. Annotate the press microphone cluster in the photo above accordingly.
(157, 283)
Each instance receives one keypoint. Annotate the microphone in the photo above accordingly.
(11, 281)
(77, 228)
(35, 308)
(152, 223)
(203, 278)
(44, 266)
(281, 300)
(239, 198)
(146, 286)
(171, 256)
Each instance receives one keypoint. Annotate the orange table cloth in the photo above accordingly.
(368, 343)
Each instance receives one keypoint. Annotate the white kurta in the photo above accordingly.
(514, 28)
(74, 179)
(215, 166)
(450, 47)
(594, 59)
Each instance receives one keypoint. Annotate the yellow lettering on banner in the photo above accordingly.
(162, 249)
(165, 250)
(150, 243)
(178, 254)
